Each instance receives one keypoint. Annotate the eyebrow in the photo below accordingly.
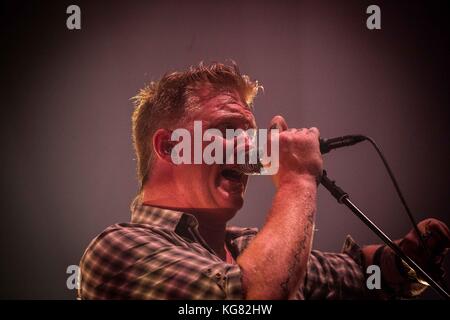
(230, 100)
(234, 116)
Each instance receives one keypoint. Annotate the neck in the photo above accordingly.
(211, 223)
(214, 234)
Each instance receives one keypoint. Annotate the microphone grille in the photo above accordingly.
(250, 169)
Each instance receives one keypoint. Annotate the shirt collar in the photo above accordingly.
(164, 218)
(178, 221)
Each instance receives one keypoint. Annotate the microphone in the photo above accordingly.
(326, 145)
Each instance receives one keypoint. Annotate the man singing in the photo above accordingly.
(178, 244)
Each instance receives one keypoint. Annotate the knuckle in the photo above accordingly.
(277, 118)
(285, 136)
(314, 129)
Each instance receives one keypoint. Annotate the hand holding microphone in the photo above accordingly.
(325, 145)
(300, 159)
(299, 153)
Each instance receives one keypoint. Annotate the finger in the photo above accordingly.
(442, 228)
(434, 226)
(279, 123)
(314, 130)
(439, 234)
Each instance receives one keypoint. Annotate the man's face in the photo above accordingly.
(217, 188)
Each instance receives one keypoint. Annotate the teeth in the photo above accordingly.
(250, 169)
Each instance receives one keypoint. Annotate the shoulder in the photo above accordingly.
(117, 241)
(240, 237)
(118, 248)
(123, 235)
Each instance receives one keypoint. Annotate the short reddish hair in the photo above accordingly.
(164, 103)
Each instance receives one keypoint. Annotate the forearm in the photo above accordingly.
(275, 263)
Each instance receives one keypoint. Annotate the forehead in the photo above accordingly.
(226, 104)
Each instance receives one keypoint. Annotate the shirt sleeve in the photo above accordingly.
(335, 275)
(342, 276)
(140, 265)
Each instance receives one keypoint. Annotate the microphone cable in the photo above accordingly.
(399, 192)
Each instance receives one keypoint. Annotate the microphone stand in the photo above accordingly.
(343, 198)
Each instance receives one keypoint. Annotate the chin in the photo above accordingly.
(235, 204)
(231, 205)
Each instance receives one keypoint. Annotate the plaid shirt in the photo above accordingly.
(161, 255)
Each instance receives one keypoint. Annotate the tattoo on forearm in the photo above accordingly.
(298, 251)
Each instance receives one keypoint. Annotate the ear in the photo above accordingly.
(162, 144)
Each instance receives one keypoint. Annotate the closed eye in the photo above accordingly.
(223, 127)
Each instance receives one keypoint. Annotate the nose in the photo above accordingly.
(245, 146)
(246, 139)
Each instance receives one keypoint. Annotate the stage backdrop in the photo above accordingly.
(68, 168)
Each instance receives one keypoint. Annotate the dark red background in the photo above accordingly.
(68, 168)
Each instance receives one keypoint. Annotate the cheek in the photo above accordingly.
(205, 174)
(228, 150)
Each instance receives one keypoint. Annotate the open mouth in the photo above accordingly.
(231, 182)
(232, 175)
